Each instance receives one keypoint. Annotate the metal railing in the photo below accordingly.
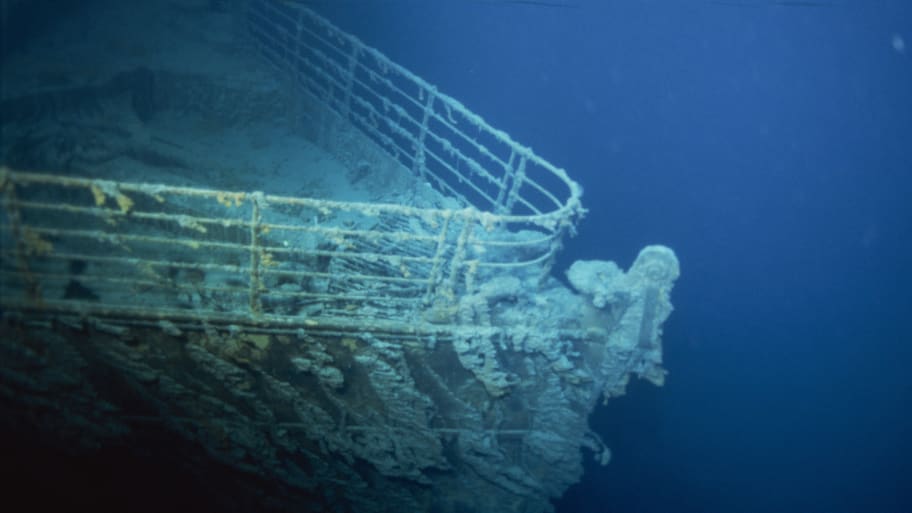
(153, 253)
(161, 252)
(425, 130)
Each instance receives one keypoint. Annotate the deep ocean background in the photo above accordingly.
(770, 144)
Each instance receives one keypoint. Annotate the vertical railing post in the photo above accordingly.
(350, 78)
(419, 163)
(256, 281)
(519, 176)
(434, 275)
(459, 253)
(504, 182)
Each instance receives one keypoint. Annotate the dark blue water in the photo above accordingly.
(770, 144)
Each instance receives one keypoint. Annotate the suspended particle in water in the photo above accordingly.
(899, 44)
